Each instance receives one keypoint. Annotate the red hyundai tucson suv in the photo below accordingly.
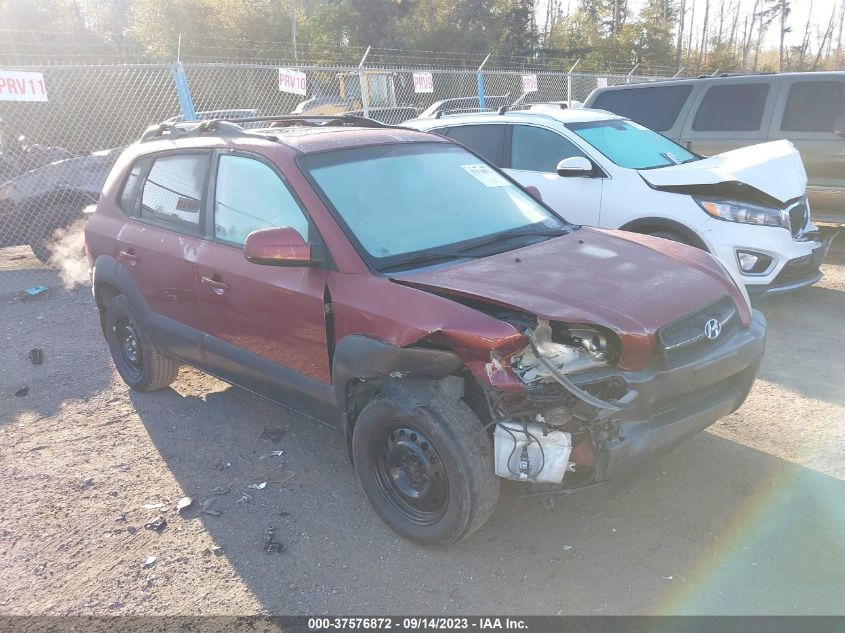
(396, 285)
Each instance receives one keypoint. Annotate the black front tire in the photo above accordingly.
(452, 437)
(138, 361)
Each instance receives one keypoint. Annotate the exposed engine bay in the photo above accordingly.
(549, 433)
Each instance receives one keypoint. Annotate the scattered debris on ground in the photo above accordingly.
(271, 544)
(157, 524)
(183, 503)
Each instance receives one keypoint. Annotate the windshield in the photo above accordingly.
(631, 145)
(402, 200)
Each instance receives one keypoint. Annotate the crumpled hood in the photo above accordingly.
(632, 284)
(773, 168)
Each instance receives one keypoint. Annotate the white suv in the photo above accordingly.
(747, 207)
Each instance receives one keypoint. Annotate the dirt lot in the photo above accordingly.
(746, 518)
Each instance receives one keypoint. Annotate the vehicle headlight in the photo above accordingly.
(743, 212)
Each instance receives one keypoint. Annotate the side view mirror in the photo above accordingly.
(534, 193)
(839, 126)
(282, 246)
(574, 166)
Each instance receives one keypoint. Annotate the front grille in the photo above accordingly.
(799, 217)
(684, 339)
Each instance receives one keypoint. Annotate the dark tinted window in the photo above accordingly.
(173, 192)
(538, 149)
(484, 140)
(129, 195)
(732, 108)
(656, 107)
(812, 106)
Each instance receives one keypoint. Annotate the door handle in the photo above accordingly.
(128, 256)
(218, 287)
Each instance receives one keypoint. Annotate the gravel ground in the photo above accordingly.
(746, 518)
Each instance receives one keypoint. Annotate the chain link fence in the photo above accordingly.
(63, 127)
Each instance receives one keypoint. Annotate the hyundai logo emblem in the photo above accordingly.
(712, 329)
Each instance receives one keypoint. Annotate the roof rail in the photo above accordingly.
(453, 111)
(231, 127)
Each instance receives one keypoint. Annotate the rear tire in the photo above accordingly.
(138, 361)
(427, 470)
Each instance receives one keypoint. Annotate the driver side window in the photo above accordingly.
(249, 195)
(538, 149)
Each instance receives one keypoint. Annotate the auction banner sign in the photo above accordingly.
(292, 81)
(529, 83)
(423, 82)
(22, 86)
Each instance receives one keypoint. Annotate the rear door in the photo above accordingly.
(806, 114)
(265, 324)
(533, 153)
(165, 197)
(488, 140)
(725, 116)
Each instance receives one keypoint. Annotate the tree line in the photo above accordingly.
(699, 36)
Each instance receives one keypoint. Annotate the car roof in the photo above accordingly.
(300, 139)
(307, 140)
(726, 78)
(569, 115)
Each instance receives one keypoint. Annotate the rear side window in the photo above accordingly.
(538, 149)
(249, 196)
(172, 195)
(813, 106)
(485, 140)
(732, 108)
(656, 107)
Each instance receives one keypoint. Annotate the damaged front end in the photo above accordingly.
(579, 419)
(551, 430)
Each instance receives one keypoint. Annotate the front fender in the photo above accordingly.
(359, 357)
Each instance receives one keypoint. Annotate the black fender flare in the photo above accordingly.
(109, 271)
(358, 357)
(637, 226)
(422, 372)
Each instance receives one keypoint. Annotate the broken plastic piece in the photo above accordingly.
(278, 453)
(150, 561)
(36, 355)
(184, 502)
(157, 524)
(36, 290)
(260, 486)
(271, 544)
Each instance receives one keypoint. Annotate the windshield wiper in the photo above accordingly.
(426, 258)
(506, 235)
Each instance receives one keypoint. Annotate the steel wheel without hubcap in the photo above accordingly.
(410, 473)
(130, 345)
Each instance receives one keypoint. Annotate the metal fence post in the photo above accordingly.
(479, 80)
(628, 76)
(569, 83)
(365, 87)
(186, 102)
